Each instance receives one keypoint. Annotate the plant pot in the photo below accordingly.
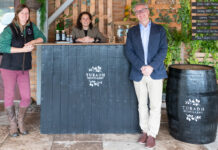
(33, 4)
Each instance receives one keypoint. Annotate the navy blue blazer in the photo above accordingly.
(157, 50)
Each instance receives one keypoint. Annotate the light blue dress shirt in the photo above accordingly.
(145, 33)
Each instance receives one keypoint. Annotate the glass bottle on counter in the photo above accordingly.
(127, 29)
(68, 38)
(57, 37)
(119, 31)
(63, 37)
(119, 38)
(71, 38)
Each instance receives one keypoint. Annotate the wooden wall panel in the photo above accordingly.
(75, 11)
(110, 18)
(110, 11)
(101, 15)
(83, 5)
(107, 14)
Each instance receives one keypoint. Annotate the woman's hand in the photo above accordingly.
(28, 48)
(89, 39)
(86, 39)
(29, 43)
(25, 49)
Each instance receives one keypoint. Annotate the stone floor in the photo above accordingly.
(37, 141)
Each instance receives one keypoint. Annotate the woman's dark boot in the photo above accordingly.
(13, 121)
(21, 116)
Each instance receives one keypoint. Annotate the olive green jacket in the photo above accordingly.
(93, 33)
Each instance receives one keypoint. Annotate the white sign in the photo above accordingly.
(95, 76)
(193, 110)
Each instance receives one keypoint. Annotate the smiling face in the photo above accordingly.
(23, 16)
(85, 21)
(142, 13)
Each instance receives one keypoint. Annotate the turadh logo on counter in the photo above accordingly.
(95, 76)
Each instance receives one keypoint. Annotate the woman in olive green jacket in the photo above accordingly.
(84, 32)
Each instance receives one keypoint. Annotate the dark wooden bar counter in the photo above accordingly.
(85, 89)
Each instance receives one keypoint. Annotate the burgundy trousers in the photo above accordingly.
(10, 78)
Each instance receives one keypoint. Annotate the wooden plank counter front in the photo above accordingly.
(85, 89)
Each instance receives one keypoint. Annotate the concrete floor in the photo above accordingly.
(37, 141)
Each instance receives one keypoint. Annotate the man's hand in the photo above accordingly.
(146, 70)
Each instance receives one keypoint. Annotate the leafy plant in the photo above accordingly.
(175, 38)
(22, 1)
(174, 42)
(42, 11)
(164, 18)
(184, 14)
(64, 22)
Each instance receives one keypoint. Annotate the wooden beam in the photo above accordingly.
(110, 18)
(67, 12)
(59, 11)
(92, 7)
(128, 2)
(57, 5)
(83, 5)
(101, 15)
(75, 12)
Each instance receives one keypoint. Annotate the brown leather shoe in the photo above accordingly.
(143, 138)
(150, 142)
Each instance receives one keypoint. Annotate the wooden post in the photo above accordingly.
(92, 10)
(92, 7)
(83, 5)
(75, 11)
(128, 2)
(66, 12)
(101, 15)
(57, 5)
(110, 31)
(182, 52)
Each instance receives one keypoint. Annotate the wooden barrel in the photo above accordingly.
(192, 103)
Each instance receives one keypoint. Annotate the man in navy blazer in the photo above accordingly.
(146, 49)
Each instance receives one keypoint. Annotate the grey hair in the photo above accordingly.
(140, 4)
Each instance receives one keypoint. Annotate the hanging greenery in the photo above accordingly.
(42, 11)
(22, 1)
